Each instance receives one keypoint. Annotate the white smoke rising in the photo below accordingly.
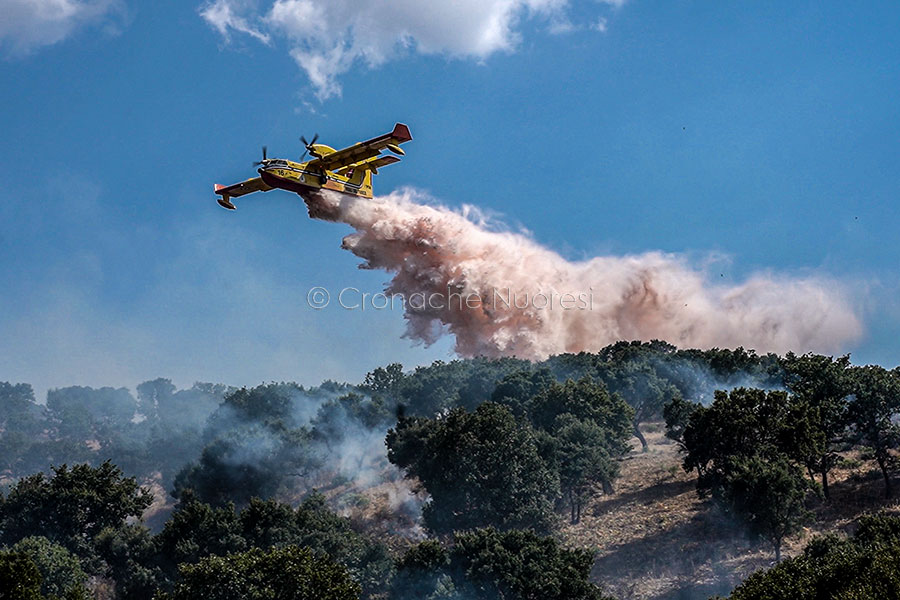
(435, 251)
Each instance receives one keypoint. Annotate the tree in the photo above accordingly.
(830, 568)
(586, 400)
(576, 366)
(235, 468)
(254, 440)
(739, 446)
(582, 454)
(741, 423)
(871, 412)
(385, 380)
(517, 389)
(154, 396)
(18, 410)
(677, 413)
(480, 468)
(767, 497)
(287, 573)
(487, 564)
(521, 564)
(72, 506)
(645, 392)
(821, 386)
(372, 412)
(196, 530)
(422, 572)
(61, 573)
(606, 420)
(266, 405)
(131, 560)
(20, 578)
(367, 560)
(91, 408)
(429, 390)
(177, 410)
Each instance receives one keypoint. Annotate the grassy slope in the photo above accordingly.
(656, 539)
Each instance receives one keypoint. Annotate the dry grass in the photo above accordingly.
(655, 539)
(162, 506)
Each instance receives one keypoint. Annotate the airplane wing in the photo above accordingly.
(371, 164)
(363, 150)
(239, 189)
(245, 187)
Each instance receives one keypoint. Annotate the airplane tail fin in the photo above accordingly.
(401, 133)
(362, 171)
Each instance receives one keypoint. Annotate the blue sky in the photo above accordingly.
(766, 133)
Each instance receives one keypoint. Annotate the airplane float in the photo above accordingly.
(348, 170)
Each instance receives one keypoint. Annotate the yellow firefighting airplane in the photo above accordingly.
(348, 170)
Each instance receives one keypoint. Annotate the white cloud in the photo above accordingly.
(561, 25)
(26, 25)
(224, 16)
(327, 37)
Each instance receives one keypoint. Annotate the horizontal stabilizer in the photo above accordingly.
(383, 161)
(371, 164)
(362, 151)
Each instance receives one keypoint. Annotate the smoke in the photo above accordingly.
(283, 440)
(502, 294)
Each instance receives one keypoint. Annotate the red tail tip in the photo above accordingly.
(401, 133)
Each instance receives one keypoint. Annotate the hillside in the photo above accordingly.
(655, 539)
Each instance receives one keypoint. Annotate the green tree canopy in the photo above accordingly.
(741, 423)
(197, 530)
(677, 413)
(429, 390)
(480, 468)
(586, 400)
(20, 578)
(18, 410)
(72, 506)
(130, 555)
(767, 497)
(740, 445)
(286, 573)
(864, 567)
(487, 564)
(871, 414)
(584, 455)
(61, 573)
(638, 382)
(819, 385)
(78, 406)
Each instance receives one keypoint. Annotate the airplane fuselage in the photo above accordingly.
(300, 178)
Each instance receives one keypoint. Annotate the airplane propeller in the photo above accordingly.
(309, 146)
(265, 149)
